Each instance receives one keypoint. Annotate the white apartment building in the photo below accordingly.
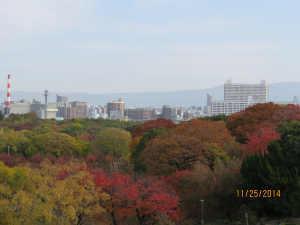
(228, 108)
(238, 97)
(240, 92)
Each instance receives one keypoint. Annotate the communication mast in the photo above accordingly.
(46, 96)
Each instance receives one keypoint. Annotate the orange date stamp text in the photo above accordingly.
(258, 193)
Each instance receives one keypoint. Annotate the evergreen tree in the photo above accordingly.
(1, 115)
(271, 172)
(139, 166)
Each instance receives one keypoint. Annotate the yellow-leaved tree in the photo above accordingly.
(112, 141)
(53, 194)
(16, 140)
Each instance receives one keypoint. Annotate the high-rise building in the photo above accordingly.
(240, 92)
(208, 100)
(179, 112)
(167, 112)
(116, 106)
(60, 98)
(81, 108)
(238, 97)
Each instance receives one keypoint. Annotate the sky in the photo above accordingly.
(117, 46)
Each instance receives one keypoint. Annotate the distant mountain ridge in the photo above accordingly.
(277, 92)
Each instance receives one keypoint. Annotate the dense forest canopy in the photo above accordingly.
(91, 171)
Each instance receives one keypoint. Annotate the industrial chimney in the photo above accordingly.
(7, 108)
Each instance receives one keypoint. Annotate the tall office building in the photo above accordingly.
(240, 92)
(61, 98)
(208, 100)
(81, 109)
(167, 112)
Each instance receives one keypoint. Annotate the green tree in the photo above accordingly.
(290, 142)
(112, 141)
(272, 172)
(220, 117)
(86, 147)
(42, 129)
(74, 130)
(22, 119)
(17, 141)
(139, 165)
(56, 144)
(28, 133)
(1, 115)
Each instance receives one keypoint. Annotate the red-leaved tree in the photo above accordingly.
(259, 140)
(143, 197)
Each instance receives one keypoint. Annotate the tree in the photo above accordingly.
(42, 129)
(118, 187)
(28, 133)
(149, 125)
(134, 142)
(233, 150)
(74, 130)
(196, 185)
(205, 131)
(49, 195)
(278, 170)
(286, 114)
(290, 142)
(94, 130)
(19, 144)
(220, 117)
(86, 147)
(22, 120)
(272, 172)
(172, 152)
(142, 197)
(153, 198)
(139, 166)
(33, 116)
(112, 141)
(241, 123)
(56, 144)
(228, 180)
(1, 115)
(85, 137)
(259, 140)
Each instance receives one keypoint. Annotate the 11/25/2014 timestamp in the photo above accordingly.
(258, 193)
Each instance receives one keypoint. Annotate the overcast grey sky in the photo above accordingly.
(114, 46)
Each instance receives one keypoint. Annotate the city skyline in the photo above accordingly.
(146, 46)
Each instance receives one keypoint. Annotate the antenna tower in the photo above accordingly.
(46, 96)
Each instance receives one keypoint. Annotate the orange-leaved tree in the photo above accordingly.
(206, 131)
(241, 123)
(171, 152)
(149, 125)
(134, 142)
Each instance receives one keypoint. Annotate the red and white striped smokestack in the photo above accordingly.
(8, 92)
